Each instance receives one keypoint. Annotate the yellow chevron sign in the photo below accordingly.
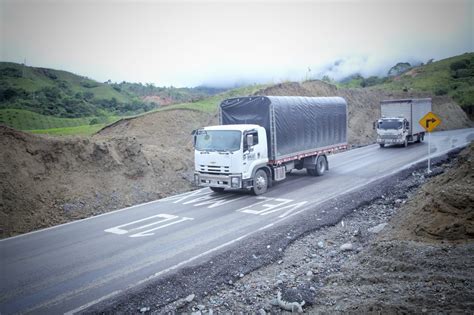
(430, 121)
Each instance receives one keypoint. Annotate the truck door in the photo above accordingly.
(250, 141)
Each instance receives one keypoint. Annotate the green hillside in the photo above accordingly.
(67, 95)
(61, 94)
(452, 76)
(26, 120)
(209, 105)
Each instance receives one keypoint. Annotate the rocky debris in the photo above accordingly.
(346, 247)
(190, 298)
(293, 307)
(378, 228)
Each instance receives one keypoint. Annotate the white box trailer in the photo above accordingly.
(400, 121)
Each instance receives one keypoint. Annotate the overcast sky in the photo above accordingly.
(188, 43)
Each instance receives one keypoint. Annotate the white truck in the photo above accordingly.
(262, 138)
(399, 122)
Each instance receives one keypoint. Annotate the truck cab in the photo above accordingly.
(392, 130)
(228, 156)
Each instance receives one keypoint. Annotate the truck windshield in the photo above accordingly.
(390, 124)
(218, 140)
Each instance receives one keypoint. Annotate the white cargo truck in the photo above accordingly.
(262, 138)
(400, 121)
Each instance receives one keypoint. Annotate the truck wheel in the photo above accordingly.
(321, 165)
(260, 182)
(217, 189)
(382, 145)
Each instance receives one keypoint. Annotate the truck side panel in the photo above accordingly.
(421, 107)
(396, 109)
(294, 124)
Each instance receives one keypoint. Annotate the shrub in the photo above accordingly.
(461, 64)
(440, 90)
(94, 121)
(11, 72)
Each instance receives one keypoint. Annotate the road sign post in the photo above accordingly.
(430, 121)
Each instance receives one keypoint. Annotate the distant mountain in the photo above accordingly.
(67, 95)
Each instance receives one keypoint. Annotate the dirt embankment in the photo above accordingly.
(364, 106)
(48, 181)
(423, 260)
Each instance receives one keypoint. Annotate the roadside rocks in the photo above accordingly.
(346, 247)
(378, 228)
(308, 264)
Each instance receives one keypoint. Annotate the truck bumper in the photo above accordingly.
(216, 180)
(391, 141)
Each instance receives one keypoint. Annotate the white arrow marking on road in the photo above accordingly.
(164, 218)
(147, 232)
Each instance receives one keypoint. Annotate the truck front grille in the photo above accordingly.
(388, 136)
(214, 169)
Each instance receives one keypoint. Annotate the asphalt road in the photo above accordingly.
(67, 268)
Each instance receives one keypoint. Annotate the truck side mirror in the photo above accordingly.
(249, 140)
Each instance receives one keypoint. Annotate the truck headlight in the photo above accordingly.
(235, 182)
(196, 179)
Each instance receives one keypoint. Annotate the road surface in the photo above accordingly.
(68, 268)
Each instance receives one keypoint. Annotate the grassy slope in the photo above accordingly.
(26, 120)
(36, 123)
(436, 77)
(429, 77)
(35, 79)
(209, 105)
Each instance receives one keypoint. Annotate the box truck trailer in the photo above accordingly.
(399, 122)
(262, 138)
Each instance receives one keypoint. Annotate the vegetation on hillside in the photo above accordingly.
(165, 95)
(452, 76)
(40, 99)
(66, 95)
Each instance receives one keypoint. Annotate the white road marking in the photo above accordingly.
(270, 205)
(83, 307)
(164, 218)
(147, 232)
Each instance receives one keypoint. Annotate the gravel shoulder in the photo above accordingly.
(345, 262)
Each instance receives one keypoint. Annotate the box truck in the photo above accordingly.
(400, 121)
(262, 138)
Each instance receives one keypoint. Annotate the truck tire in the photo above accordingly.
(321, 165)
(260, 182)
(217, 189)
(382, 145)
(319, 168)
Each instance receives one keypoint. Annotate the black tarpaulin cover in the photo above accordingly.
(294, 124)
